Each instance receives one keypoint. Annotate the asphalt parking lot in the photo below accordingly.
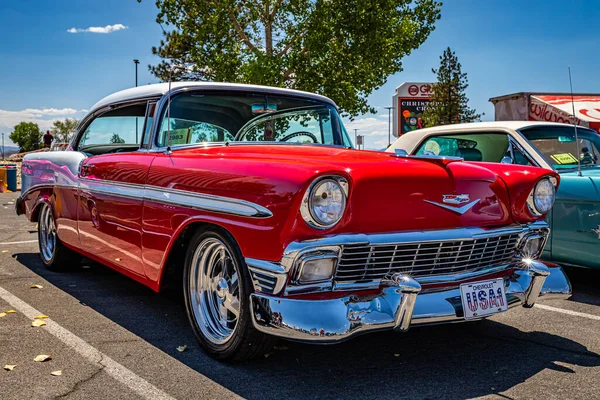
(114, 338)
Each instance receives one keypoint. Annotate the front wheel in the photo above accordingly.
(217, 288)
(54, 254)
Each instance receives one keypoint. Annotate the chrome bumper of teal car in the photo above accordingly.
(402, 303)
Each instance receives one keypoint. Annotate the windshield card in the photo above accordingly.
(564, 158)
(179, 136)
(484, 298)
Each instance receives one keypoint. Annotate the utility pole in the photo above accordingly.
(136, 62)
(356, 137)
(389, 125)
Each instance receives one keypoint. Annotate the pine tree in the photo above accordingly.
(449, 102)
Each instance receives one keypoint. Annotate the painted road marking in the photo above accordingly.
(21, 242)
(118, 372)
(569, 312)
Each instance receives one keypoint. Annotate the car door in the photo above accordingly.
(576, 219)
(111, 189)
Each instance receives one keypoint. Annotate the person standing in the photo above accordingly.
(48, 138)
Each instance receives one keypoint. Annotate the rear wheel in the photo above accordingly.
(217, 289)
(54, 254)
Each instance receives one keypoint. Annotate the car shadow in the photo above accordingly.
(446, 361)
(587, 283)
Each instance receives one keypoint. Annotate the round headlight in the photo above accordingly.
(325, 203)
(542, 197)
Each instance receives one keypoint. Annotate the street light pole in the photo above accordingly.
(136, 62)
(389, 125)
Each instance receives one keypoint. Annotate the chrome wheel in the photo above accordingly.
(47, 234)
(214, 291)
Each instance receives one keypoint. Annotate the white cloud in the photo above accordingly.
(99, 29)
(373, 127)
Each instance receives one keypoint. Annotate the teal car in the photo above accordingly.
(575, 217)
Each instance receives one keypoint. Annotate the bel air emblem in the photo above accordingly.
(455, 200)
(597, 231)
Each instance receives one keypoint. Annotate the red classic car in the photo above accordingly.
(254, 201)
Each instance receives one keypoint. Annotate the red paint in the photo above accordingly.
(387, 194)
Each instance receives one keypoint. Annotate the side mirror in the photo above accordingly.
(506, 160)
(401, 153)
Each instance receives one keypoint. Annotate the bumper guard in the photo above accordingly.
(402, 303)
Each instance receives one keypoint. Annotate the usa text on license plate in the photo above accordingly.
(480, 299)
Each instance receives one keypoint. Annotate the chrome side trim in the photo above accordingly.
(206, 202)
(198, 201)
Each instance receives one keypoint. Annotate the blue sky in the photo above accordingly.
(47, 72)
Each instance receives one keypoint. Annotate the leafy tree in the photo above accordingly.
(115, 138)
(343, 49)
(64, 130)
(27, 136)
(449, 102)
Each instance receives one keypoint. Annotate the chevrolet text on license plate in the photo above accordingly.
(480, 299)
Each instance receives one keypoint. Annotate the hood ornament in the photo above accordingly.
(455, 200)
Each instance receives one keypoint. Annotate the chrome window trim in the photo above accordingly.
(94, 114)
(164, 101)
(513, 143)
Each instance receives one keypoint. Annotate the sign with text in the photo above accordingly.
(410, 101)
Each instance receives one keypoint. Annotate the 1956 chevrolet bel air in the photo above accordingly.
(255, 199)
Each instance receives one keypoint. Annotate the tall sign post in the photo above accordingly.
(409, 102)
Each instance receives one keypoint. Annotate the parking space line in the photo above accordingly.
(20, 242)
(569, 312)
(117, 371)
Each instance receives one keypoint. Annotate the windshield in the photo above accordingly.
(249, 117)
(558, 145)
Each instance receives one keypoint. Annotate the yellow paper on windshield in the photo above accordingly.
(564, 158)
(179, 136)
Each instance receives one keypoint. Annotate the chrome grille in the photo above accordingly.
(371, 262)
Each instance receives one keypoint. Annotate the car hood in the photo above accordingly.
(387, 193)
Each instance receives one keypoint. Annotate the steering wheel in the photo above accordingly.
(300, 133)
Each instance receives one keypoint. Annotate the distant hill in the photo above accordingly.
(8, 150)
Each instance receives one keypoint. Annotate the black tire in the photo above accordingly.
(245, 342)
(55, 257)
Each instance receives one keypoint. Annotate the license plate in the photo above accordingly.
(480, 299)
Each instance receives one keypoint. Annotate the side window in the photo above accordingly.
(122, 126)
(518, 156)
(439, 146)
(476, 146)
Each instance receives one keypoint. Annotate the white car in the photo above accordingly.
(575, 218)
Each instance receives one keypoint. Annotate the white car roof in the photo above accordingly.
(159, 89)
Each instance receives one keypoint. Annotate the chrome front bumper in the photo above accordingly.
(402, 303)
